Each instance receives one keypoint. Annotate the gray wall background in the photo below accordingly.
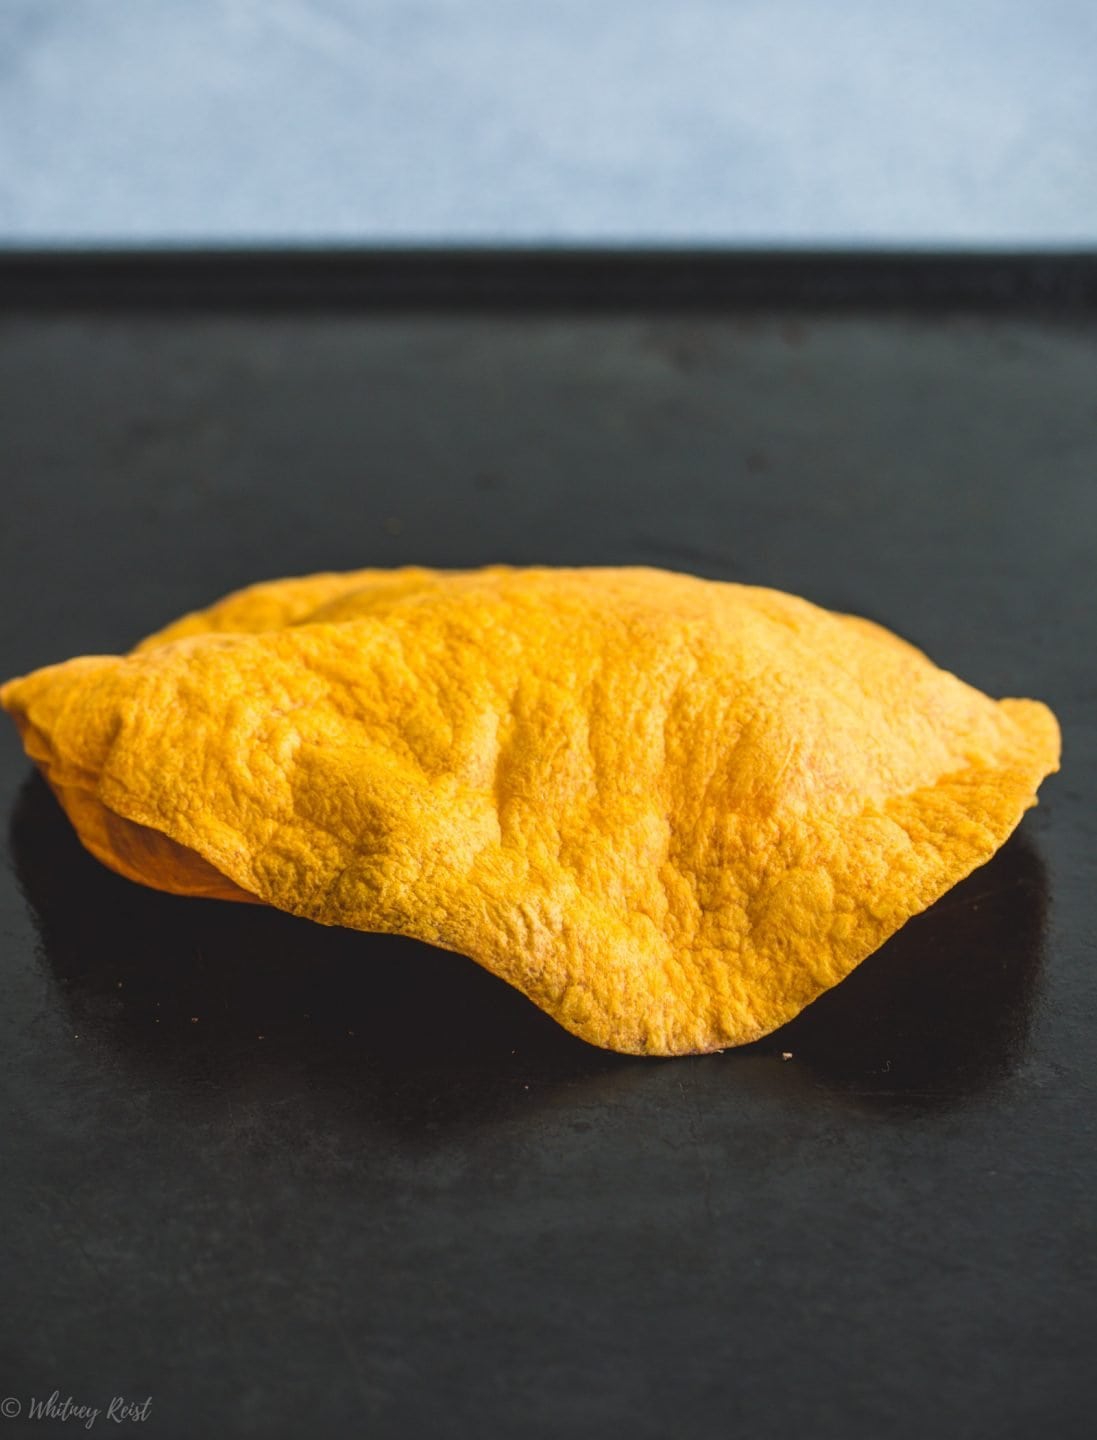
(795, 122)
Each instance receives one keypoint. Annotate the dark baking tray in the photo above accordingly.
(289, 1181)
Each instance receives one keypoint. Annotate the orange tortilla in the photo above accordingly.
(671, 811)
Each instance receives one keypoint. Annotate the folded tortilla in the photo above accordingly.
(671, 811)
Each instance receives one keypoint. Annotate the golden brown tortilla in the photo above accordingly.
(671, 811)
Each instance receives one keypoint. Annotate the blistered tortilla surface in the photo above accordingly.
(671, 811)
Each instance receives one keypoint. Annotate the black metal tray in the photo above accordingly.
(289, 1181)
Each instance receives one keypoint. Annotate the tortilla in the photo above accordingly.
(671, 811)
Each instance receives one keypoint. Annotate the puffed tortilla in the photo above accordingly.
(671, 811)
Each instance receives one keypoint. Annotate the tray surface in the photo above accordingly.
(288, 1181)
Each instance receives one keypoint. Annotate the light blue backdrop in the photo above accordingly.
(712, 121)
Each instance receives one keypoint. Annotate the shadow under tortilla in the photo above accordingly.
(940, 1012)
(943, 1010)
(215, 990)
